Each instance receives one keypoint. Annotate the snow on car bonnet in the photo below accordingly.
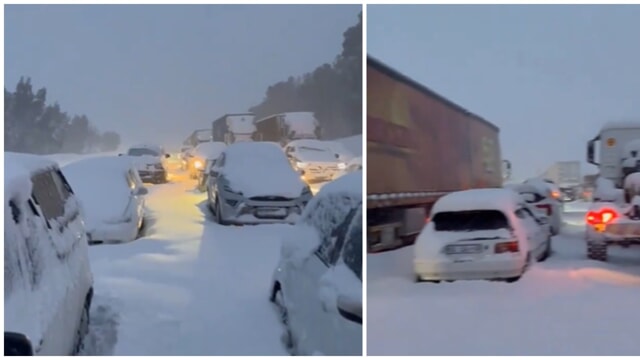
(478, 199)
(261, 169)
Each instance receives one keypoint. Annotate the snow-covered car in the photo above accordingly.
(150, 162)
(541, 195)
(614, 217)
(353, 165)
(316, 159)
(317, 285)
(204, 156)
(480, 234)
(112, 197)
(253, 183)
(48, 284)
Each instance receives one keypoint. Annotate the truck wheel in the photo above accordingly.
(597, 251)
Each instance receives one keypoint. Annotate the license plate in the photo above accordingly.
(463, 249)
(628, 230)
(271, 212)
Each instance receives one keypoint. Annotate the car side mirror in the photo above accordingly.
(142, 191)
(337, 156)
(17, 345)
(350, 308)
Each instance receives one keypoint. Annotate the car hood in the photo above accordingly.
(266, 183)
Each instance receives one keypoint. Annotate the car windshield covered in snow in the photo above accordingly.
(142, 152)
(471, 220)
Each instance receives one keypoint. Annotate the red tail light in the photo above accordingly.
(546, 208)
(507, 247)
(604, 216)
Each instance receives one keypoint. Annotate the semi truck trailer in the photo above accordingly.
(420, 146)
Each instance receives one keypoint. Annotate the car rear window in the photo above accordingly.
(472, 220)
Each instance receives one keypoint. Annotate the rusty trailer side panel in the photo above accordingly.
(420, 145)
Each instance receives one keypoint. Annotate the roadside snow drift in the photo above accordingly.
(566, 306)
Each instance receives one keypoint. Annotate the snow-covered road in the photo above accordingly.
(188, 287)
(568, 305)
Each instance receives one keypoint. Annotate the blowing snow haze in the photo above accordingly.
(156, 73)
(548, 76)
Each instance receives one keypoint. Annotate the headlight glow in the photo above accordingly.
(198, 164)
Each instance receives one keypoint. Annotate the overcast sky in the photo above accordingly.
(155, 73)
(548, 76)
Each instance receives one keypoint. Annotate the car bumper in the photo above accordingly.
(115, 233)
(248, 212)
(629, 235)
(472, 270)
(153, 176)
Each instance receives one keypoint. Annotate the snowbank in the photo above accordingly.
(261, 169)
(567, 305)
(478, 199)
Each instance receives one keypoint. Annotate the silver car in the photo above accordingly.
(253, 183)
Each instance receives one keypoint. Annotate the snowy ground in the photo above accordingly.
(568, 305)
(188, 287)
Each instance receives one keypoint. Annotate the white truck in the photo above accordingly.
(614, 216)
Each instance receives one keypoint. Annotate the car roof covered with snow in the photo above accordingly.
(350, 184)
(210, 150)
(504, 200)
(19, 168)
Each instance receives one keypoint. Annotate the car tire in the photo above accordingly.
(218, 212)
(527, 263)
(547, 251)
(597, 251)
(83, 330)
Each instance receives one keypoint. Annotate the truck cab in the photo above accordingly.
(614, 216)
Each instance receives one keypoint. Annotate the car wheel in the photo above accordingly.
(597, 251)
(527, 263)
(83, 330)
(219, 219)
(547, 251)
